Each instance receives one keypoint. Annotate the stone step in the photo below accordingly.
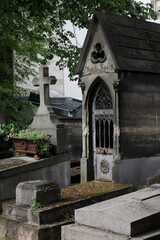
(77, 232)
(80, 232)
(134, 214)
(10, 229)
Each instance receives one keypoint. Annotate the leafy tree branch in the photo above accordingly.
(33, 32)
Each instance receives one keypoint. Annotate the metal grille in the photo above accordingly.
(104, 130)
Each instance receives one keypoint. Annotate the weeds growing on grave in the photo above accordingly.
(35, 204)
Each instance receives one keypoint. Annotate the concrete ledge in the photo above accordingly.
(34, 164)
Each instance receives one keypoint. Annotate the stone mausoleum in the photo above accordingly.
(120, 69)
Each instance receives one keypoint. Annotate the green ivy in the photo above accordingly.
(6, 130)
(35, 204)
(43, 148)
(34, 135)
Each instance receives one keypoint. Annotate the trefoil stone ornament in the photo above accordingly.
(98, 55)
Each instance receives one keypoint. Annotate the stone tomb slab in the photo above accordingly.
(44, 192)
(80, 232)
(129, 215)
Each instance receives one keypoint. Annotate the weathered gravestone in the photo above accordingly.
(42, 192)
(120, 69)
(133, 216)
(45, 119)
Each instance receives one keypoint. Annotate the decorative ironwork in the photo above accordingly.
(104, 166)
(103, 99)
(104, 131)
(98, 55)
(104, 117)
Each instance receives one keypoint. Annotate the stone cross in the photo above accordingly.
(44, 81)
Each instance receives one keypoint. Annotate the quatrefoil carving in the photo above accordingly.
(98, 55)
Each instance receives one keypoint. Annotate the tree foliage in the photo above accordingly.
(35, 31)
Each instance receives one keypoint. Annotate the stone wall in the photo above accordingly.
(139, 115)
(74, 136)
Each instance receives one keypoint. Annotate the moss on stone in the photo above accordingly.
(49, 186)
(85, 190)
(90, 189)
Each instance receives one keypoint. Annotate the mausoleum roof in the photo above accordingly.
(63, 106)
(134, 44)
(67, 106)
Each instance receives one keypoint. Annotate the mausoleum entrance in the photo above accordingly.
(119, 59)
(102, 131)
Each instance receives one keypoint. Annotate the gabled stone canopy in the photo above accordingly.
(99, 58)
(134, 45)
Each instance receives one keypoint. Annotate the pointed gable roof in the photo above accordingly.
(134, 44)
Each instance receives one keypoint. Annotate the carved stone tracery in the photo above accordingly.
(103, 99)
